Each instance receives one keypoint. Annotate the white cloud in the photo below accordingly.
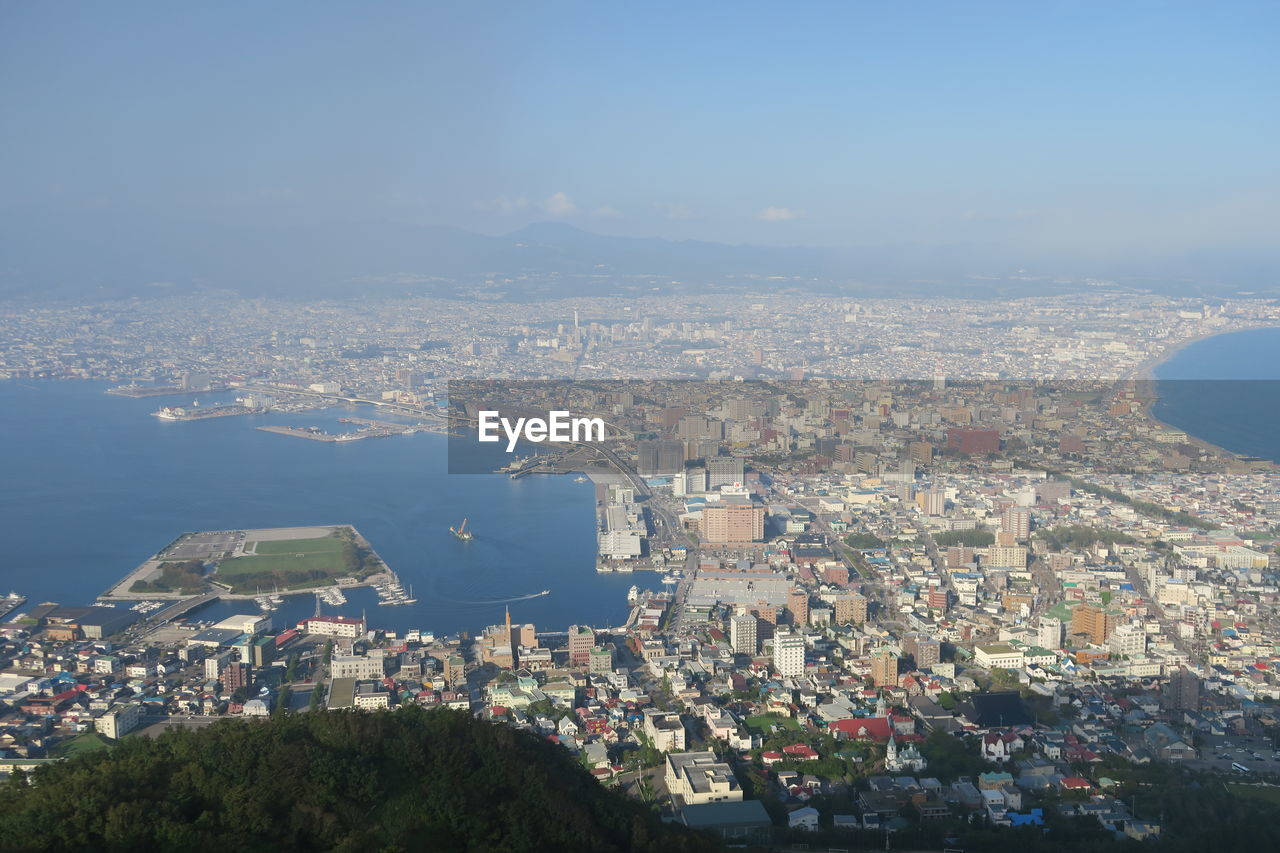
(560, 205)
(779, 214)
(673, 211)
(606, 212)
(502, 204)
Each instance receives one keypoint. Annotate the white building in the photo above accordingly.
(700, 777)
(788, 653)
(334, 626)
(119, 720)
(998, 656)
(665, 731)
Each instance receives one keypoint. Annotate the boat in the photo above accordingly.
(545, 592)
(462, 532)
(579, 479)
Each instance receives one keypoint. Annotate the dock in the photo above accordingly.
(10, 603)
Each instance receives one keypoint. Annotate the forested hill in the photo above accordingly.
(403, 780)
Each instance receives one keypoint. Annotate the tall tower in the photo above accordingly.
(511, 640)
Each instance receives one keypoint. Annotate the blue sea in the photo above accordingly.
(91, 486)
(1226, 390)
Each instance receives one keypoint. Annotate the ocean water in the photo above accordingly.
(91, 485)
(1226, 390)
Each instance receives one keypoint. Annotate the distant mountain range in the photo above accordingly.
(103, 257)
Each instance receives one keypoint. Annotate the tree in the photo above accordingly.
(317, 698)
(346, 780)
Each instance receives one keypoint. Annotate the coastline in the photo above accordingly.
(1145, 381)
(1146, 371)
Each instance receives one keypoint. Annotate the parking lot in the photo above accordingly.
(205, 546)
(1220, 752)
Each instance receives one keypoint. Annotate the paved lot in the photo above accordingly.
(205, 546)
(1221, 751)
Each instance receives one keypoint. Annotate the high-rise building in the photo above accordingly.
(1128, 640)
(1093, 621)
(1183, 691)
(884, 668)
(724, 471)
(788, 653)
(1017, 521)
(1049, 635)
(733, 521)
(798, 604)
(932, 501)
(581, 641)
(1007, 556)
(924, 649)
(973, 440)
(859, 608)
(742, 634)
(920, 452)
(939, 598)
(659, 458)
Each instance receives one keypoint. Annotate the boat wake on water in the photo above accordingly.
(490, 601)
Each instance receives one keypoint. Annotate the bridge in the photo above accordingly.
(173, 611)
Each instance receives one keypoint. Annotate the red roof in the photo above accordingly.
(876, 728)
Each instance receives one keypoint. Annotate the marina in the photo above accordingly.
(10, 603)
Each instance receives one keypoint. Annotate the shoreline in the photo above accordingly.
(1146, 380)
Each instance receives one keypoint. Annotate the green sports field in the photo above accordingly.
(286, 562)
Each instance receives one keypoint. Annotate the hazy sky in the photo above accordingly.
(1075, 125)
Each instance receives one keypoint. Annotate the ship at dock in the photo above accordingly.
(462, 532)
(195, 412)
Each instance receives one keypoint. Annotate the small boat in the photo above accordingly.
(462, 532)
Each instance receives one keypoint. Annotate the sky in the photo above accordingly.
(1090, 127)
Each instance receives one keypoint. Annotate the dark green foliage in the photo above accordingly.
(186, 577)
(403, 780)
(1147, 508)
(968, 538)
(1082, 536)
(863, 541)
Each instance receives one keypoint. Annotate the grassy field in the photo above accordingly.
(86, 742)
(761, 723)
(292, 563)
(324, 554)
(1258, 792)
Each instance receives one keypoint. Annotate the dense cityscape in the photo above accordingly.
(859, 604)
(640, 428)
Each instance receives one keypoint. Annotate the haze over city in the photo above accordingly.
(1063, 139)
(640, 427)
